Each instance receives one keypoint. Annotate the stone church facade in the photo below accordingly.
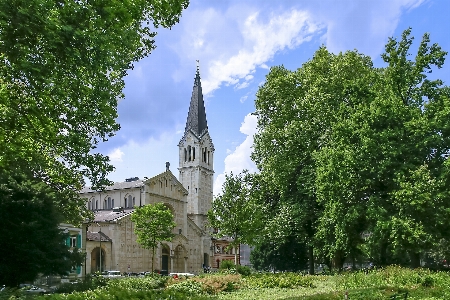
(110, 242)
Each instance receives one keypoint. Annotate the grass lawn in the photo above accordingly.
(375, 285)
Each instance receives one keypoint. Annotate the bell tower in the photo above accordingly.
(196, 157)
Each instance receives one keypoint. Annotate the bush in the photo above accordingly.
(279, 280)
(227, 265)
(214, 284)
(243, 270)
(189, 287)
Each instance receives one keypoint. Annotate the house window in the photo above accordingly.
(96, 204)
(134, 202)
(73, 241)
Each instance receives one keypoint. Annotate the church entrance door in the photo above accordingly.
(98, 258)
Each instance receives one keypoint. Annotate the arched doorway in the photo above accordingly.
(180, 256)
(97, 260)
(165, 262)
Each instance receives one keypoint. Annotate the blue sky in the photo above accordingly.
(237, 42)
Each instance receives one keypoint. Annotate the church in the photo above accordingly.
(109, 240)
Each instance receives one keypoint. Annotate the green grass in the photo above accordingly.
(375, 285)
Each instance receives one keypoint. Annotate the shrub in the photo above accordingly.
(428, 281)
(189, 287)
(227, 264)
(243, 270)
(214, 284)
(279, 280)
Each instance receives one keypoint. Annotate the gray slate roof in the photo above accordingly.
(196, 120)
(110, 216)
(95, 236)
(117, 186)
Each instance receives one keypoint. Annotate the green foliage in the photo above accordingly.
(243, 270)
(33, 243)
(226, 265)
(154, 224)
(63, 67)
(279, 280)
(188, 287)
(217, 283)
(345, 149)
(233, 213)
(290, 255)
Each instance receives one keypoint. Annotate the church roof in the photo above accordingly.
(96, 236)
(196, 120)
(111, 215)
(116, 186)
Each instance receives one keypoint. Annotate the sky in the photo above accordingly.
(236, 43)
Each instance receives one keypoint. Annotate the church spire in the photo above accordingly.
(196, 120)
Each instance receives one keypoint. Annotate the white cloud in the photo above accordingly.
(242, 85)
(116, 155)
(239, 159)
(236, 42)
(261, 41)
(243, 98)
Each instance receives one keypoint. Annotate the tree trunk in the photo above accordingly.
(311, 259)
(383, 253)
(153, 258)
(415, 259)
(338, 260)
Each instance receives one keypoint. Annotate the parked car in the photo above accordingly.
(35, 290)
(178, 275)
(113, 274)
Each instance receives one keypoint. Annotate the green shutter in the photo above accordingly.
(78, 269)
(79, 241)
(68, 241)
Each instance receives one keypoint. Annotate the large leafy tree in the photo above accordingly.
(234, 213)
(61, 76)
(359, 154)
(154, 224)
(32, 243)
(291, 255)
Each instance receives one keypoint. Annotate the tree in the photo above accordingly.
(288, 256)
(233, 213)
(32, 243)
(61, 76)
(154, 224)
(359, 154)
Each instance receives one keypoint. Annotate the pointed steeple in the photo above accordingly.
(196, 120)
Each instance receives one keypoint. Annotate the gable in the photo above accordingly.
(166, 185)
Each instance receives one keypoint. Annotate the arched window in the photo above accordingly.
(129, 203)
(105, 204)
(134, 202)
(96, 204)
(185, 155)
(109, 203)
(112, 203)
